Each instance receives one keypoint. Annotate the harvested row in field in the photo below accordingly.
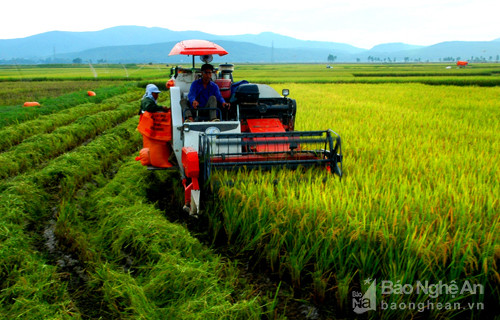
(31, 288)
(16, 93)
(39, 148)
(29, 284)
(145, 266)
(14, 134)
(17, 114)
(83, 72)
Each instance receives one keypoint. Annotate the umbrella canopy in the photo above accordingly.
(197, 48)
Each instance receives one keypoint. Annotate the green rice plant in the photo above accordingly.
(30, 286)
(430, 73)
(418, 200)
(25, 198)
(83, 72)
(37, 149)
(17, 114)
(457, 73)
(14, 134)
(145, 266)
(17, 92)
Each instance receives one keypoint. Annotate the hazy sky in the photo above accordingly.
(362, 23)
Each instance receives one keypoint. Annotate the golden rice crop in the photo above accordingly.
(418, 199)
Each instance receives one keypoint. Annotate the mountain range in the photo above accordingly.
(135, 44)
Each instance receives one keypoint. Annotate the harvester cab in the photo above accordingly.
(256, 131)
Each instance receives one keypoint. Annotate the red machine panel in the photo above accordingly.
(225, 88)
(267, 125)
(190, 162)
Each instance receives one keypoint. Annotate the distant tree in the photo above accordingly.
(358, 59)
(498, 57)
(331, 58)
(77, 60)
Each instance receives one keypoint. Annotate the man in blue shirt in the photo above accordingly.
(204, 93)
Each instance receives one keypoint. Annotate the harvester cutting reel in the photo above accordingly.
(269, 150)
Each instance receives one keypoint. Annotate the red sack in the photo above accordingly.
(156, 125)
(159, 153)
(144, 157)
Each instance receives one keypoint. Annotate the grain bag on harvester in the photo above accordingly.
(256, 132)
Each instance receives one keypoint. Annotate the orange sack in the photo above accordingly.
(90, 93)
(156, 125)
(31, 104)
(156, 130)
(159, 152)
(144, 157)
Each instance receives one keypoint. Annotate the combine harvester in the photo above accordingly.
(256, 132)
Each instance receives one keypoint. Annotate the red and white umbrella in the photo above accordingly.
(197, 48)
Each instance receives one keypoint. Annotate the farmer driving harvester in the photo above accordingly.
(203, 93)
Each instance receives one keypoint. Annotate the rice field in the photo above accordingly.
(418, 200)
(82, 72)
(87, 232)
(434, 74)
